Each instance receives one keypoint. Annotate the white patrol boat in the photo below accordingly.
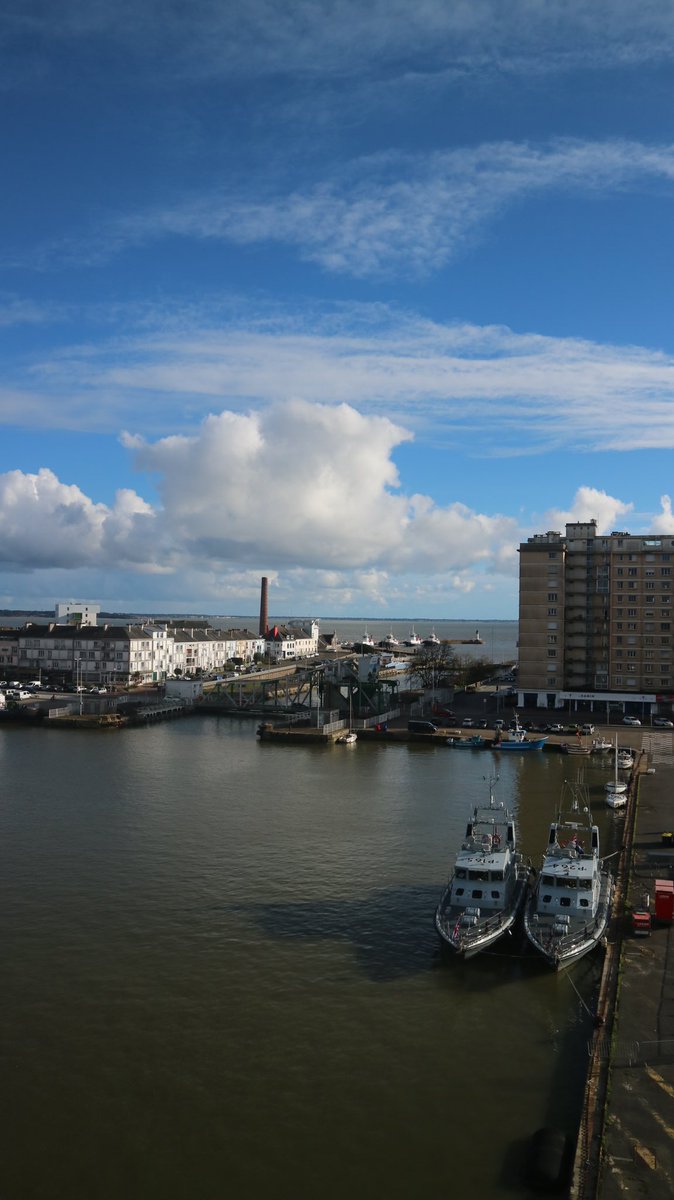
(488, 885)
(569, 907)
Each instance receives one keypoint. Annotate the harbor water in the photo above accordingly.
(221, 975)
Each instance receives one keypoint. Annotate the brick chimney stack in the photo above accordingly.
(264, 606)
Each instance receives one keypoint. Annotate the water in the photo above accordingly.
(221, 974)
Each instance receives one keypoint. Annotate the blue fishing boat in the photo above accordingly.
(517, 739)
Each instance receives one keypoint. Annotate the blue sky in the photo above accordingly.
(356, 296)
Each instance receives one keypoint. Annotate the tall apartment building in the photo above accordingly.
(595, 621)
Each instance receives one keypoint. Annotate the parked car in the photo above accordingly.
(468, 723)
(498, 724)
(587, 728)
(631, 721)
(555, 728)
(663, 723)
(483, 724)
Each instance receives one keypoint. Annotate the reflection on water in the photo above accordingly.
(221, 973)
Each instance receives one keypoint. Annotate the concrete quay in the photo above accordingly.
(626, 1138)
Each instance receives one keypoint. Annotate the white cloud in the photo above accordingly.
(46, 523)
(482, 389)
(664, 520)
(301, 486)
(591, 504)
(389, 214)
(252, 38)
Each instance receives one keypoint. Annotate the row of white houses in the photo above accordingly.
(123, 654)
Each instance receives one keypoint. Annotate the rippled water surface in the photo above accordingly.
(221, 975)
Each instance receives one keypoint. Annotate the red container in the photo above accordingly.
(664, 900)
(641, 924)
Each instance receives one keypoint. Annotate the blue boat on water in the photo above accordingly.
(517, 739)
(470, 743)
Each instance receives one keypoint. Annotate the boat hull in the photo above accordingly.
(489, 929)
(560, 953)
(532, 744)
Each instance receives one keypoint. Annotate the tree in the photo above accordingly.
(432, 664)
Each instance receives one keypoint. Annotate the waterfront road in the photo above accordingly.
(637, 1157)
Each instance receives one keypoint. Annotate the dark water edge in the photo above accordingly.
(221, 975)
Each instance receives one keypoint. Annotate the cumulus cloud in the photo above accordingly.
(591, 504)
(299, 486)
(46, 523)
(664, 520)
(308, 494)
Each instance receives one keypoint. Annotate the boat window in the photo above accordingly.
(565, 901)
(477, 894)
(571, 883)
(584, 903)
(547, 899)
(459, 891)
(586, 884)
(460, 872)
(496, 895)
(483, 876)
(549, 880)
(496, 876)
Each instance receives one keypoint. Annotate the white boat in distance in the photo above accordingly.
(568, 909)
(616, 789)
(488, 884)
(366, 640)
(413, 639)
(390, 642)
(432, 639)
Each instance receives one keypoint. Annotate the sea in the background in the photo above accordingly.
(498, 639)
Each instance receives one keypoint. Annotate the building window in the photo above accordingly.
(552, 653)
(552, 612)
(631, 612)
(552, 596)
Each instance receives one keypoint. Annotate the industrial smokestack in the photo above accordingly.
(264, 606)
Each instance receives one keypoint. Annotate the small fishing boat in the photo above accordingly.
(600, 745)
(625, 760)
(574, 748)
(568, 909)
(413, 639)
(616, 789)
(366, 640)
(432, 639)
(488, 884)
(517, 739)
(471, 743)
(390, 642)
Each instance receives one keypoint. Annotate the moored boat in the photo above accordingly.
(413, 639)
(477, 742)
(518, 739)
(568, 909)
(574, 748)
(616, 789)
(488, 884)
(625, 760)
